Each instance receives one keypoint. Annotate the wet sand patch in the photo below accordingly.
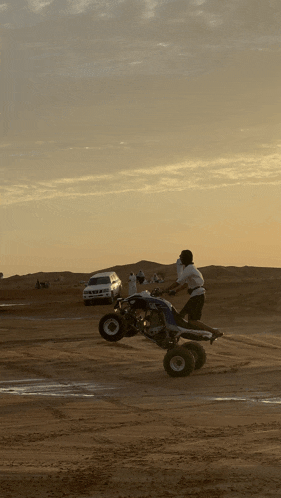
(89, 389)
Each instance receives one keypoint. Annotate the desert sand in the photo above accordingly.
(84, 417)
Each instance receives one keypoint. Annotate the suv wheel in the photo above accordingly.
(111, 299)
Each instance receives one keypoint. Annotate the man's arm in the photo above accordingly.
(176, 287)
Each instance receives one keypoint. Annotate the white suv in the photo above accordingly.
(105, 285)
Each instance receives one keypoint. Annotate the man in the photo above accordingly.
(180, 267)
(132, 284)
(140, 277)
(192, 278)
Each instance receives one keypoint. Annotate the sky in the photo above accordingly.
(133, 129)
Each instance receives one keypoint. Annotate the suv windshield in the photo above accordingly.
(99, 280)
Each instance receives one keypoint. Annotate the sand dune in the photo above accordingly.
(83, 417)
(230, 273)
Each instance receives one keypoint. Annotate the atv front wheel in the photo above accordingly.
(198, 352)
(179, 362)
(131, 332)
(111, 327)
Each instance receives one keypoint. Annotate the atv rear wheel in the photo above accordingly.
(198, 352)
(111, 327)
(179, 362)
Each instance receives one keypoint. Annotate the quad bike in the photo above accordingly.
(155, 318)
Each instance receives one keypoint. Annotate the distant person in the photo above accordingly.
(156, 279)
(192, 278)
(180, 267)
(37, 285)
(140, 277)
(132, 284)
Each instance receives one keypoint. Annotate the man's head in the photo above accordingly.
(186, 257)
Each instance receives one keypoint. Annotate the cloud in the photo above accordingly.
(196, 175)
(213, 20)
(198, 2)
(79, 6)
(38, 5)
(150, 6)
(105, 8)
(67, 181)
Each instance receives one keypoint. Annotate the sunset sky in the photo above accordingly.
(133, 129)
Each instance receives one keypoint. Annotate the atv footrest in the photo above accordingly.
(193, 336)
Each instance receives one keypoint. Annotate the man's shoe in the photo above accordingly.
(216, 334)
